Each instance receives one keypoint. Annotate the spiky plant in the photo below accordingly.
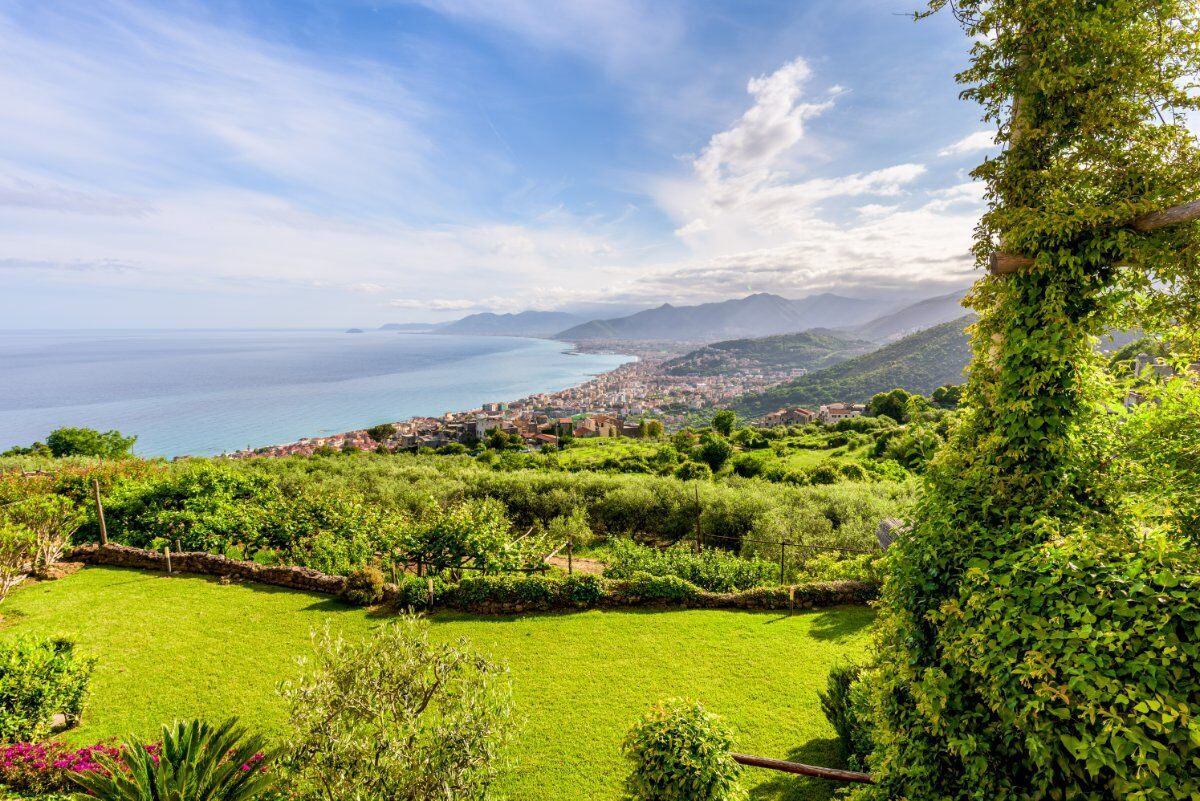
(195, 762)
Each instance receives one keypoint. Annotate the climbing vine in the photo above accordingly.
(1039, 638)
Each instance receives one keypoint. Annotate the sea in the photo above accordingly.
(204, 393)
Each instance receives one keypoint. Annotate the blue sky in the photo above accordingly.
(354, 163)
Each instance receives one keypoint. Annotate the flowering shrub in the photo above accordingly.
(44, 767)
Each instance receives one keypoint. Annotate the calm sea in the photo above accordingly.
(210, 392)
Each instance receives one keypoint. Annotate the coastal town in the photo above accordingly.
(614, 403)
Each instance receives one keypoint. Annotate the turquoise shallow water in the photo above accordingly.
(209, 392)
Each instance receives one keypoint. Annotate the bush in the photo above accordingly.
(40, 678)
(693, 471)
(582, 589)
(195, 760)
(845, 703)
(399, 716)
(680, 752)
(41, 768)
(713, 569)
(364, 586)
(645, 587)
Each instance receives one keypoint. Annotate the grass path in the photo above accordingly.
(187, 646)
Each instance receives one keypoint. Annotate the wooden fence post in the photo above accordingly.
(570, 564)
(100, 512)
(167, 553)
(178, 546)
(782, 557)
(430, 588)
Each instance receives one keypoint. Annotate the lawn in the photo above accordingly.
(188, 646)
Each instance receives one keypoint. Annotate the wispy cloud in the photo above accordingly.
(971, 143)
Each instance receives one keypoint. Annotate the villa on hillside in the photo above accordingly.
(796, 415)
(834, 412)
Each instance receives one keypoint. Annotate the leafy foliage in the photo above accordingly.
(364, 586)
(1036, 623)
(39, 678)
(89, 442)
(712, 569)
(195, 760)
(680, 752)
(398, 716)
(846, 705)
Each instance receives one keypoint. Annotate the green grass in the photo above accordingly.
(173, 647)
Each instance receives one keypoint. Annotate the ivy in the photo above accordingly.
(1038, 631)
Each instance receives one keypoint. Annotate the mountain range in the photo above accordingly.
(919, 362)
(753, 316)
(912, 318)
(525, 324)
(809, 350)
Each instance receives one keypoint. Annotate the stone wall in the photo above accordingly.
(513, 595)
(209, 564)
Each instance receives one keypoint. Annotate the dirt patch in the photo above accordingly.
(579, 565)
(58, 570)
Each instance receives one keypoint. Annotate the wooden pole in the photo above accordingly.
(100, 512)
(570, 563)
(699, 544)
(178, 546)
(429, 588)
(782, 557)
(1002, 263)
(833, 774)
(167, 553)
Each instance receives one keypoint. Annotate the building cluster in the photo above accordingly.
(610, 404)
(826, 413)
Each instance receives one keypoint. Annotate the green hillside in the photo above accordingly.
(920, 362)
(811, 350)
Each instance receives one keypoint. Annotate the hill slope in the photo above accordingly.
(754, 316)
(811, 350)
(917, 317)
(920, 362)
(525, 324)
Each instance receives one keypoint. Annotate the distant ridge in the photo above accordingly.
(919, 362)
(524, 324)
(408, 326)
(910, 319)
(757, 315)
(809, 350)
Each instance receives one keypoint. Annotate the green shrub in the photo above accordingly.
(693, 471)
(194, 760)
(39, 678)
(680, 752)
(398, 715)
(582, 589)
(845, 703)
(364, 586)
(713, 569)
(646, 587)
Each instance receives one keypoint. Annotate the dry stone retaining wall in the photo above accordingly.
(614, 593)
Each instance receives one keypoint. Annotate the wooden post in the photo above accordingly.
(782, 558)
(178, 546)
(791, 600)
(167, 553)
(395, 580)
(801, 769)
(699, 543)
(100, 512)
(429, 586)
(570, 562)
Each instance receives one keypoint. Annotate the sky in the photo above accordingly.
(343, 163)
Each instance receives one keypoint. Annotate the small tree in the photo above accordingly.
(398, 716)
(17, 548)
(382, 432)
(52, 519)
(892, 404)
(680, 752)
(714, 451)
(724, 422)
(89, 442)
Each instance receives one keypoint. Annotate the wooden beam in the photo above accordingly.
(1007, 263)
(1184, 212)
(801, 769)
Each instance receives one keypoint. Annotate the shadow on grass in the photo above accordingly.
(786, 787)
(840, 622)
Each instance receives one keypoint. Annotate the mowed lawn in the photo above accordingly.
(177, 647)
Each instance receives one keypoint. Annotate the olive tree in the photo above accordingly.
(398, 716)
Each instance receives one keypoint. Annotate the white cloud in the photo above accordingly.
(980, 140)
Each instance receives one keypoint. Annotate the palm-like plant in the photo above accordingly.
(196, 762)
